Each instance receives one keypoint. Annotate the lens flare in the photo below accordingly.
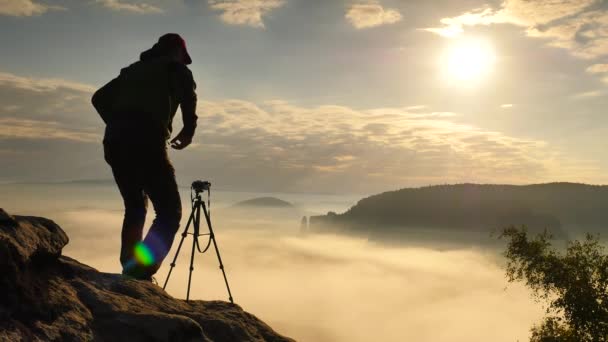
(143, 254)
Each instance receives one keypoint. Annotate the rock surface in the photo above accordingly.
(48, 297)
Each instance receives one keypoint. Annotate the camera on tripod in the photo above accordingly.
(198, 207)
(200, 186)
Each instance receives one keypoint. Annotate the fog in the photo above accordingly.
(321, 287)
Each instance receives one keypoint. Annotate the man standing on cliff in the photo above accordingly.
(138, 107)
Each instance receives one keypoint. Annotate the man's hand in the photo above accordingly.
(182, 140)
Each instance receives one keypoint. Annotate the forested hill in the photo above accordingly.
(566, 207)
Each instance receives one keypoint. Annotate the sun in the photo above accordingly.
(468, 60)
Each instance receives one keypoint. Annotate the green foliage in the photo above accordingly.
(573, 282)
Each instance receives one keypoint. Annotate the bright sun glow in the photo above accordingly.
(468, 60)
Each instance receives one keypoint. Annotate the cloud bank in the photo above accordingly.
(327, 146)
(330, 288)
(14, 128)
(25, 8)
(371, 14)
(43, 108)
(580, 26)
(245, 12)
(137, 8)
(287, 147)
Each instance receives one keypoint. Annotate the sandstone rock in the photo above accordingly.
(48, 297)
(25, 238)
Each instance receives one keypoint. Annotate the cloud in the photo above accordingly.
(506, 105)
(137, 8)
(45, 125)
(371, 14)
(40, 85)
(455, 26)
(287, 147)
(25, 8)
(358, 291)
(580, 26)
(322, 288)
(588, 94)
(14, 128)
(245, 12)
(416, 107)
(598, 69)
(46, 108)
(386, 147)
(526, 12)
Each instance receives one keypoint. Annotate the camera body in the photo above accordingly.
(200, 186)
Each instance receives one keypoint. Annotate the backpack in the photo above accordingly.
(141, 90)
(103, 99)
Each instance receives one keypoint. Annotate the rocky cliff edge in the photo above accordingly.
(45, 296)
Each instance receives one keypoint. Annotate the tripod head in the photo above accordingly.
(200, 186)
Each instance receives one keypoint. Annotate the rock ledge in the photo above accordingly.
(48, 297)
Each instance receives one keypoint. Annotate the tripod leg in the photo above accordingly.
(197, 220)
(184, 234)
(217, 251)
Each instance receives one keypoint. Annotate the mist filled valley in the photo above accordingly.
(310, 286)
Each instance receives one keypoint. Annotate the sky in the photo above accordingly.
(324, 96)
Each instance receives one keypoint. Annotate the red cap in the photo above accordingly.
(173, 40)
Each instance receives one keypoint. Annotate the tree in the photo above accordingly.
(574, 282)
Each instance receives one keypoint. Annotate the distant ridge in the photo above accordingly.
(64, 182)
(562, 207)
(271, 202)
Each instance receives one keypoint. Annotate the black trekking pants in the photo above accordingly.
(143, 170)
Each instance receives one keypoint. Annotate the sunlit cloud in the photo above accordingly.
(416, 107)
(41, 84)
(297, 148)
(245, 12)
(531, 13)
(48, 139)
(588, 94)
(598, 69)
(39, 109)
(385, 146)
(25, 8)
(506, 105)
(14, 128)
(576, 25)
(46, 99)
(371, 14)
(455, 26)
(131, 7)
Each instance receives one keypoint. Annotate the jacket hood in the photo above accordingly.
(153, 53)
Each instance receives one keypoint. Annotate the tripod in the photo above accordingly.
(198, 187)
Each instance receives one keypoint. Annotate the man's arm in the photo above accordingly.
(188, 100)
